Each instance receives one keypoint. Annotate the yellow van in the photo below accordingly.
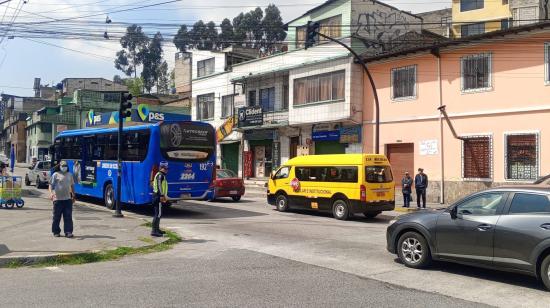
(344, 184)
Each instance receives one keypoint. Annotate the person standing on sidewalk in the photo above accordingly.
(62, 195)
(421, 184)
(160, 197)
(406, 188)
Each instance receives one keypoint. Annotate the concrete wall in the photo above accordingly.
(200, 55)
(432, 21)
(97, 84)
(182, 72)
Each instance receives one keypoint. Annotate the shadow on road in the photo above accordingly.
(378, 220)
(485, 274)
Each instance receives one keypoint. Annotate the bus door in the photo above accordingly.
(86, 167)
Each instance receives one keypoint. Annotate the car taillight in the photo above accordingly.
(363, 193)
(154, 171)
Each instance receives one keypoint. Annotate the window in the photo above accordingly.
(319, 88)
(522, 157)
(225, 174)
(267, 99)
(529, 203)
(472, 29)
(301, 36)
(476, 72)
(446, 21)
(481, 205)
(285, 97)
(403, 81)
(331, 27)
(547, 62)
(46, 127)
(505, 24)
(282, 173)
(378, 174)
(252, 98)
(227, 106)
(205, 67)
(327, 174)
(468, 5)
(477, 157)
(135, 145)
(504, 2)
(205, 107)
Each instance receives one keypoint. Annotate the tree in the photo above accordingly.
(151, 58)
(256, 32)
(135, 85)
(198, 35)
(133, 42)
(225, 39)
(211, 36)
(163, 84)
(239, 28)
(173, 79)
(117, 79)
(183, 39)
(273, 27)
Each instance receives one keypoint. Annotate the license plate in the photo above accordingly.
(380, 194)
(233, 192)
(185, 196)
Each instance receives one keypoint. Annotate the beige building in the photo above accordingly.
(96, 84)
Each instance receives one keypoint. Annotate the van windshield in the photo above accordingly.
(378, 174)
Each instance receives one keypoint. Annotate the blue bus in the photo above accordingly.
(91, 153)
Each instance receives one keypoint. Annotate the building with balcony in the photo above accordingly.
(70, 85)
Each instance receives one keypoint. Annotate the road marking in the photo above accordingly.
(54, 269)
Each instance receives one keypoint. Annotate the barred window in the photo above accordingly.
(403, 81)
(477, 157)
(227, 106)
(205, 67)
(205, 107)
(472, 29)
(476, 72)
(522, 157)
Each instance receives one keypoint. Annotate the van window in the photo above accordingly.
(327, 174)
(282, 173)
(378, 174)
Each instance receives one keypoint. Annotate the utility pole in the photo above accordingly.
(311, 39)
(124, 111)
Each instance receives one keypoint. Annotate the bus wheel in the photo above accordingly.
(340, 209)
(282, 203)
(109, 196)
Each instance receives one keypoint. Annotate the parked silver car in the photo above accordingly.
(39, 174)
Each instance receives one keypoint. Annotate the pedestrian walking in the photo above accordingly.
(62, 195)
(160, 197)
(406, 188)
(421, 184)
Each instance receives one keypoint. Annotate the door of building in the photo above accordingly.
(329, 147)
(294, 142)
(230, 156)
(401, 157)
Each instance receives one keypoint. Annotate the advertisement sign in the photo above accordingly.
(428, 147)
(276, 155)
(250, 116)
(248, 172)
(226, 129)
(333, 135)
(90, 174)
(350, 134)
(142, 114)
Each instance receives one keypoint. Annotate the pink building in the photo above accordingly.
(496, 89)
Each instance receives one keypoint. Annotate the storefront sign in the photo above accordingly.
(428, 147)
(248, 170)
(141, 114)
(276, 155)
(333, 135)
(259, 134)
(350, 134)
(250, 116)
(226, 129)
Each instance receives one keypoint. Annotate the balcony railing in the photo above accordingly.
(67, 118)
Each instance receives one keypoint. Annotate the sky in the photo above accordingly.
(24, 57)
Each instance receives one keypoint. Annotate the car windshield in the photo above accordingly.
(224, 174)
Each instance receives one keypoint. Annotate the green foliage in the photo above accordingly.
(135, 85)
(133, 42)
(226, 36)
(182, 39)
(273, 27)
(151, 56)
(163, 83)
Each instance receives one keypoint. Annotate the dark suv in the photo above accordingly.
(507, 228)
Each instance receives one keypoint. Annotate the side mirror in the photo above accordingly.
(272, 176)
(454, 213)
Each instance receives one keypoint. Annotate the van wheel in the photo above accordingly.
(282, 203)
(109, 196)
(413, 250)
(340, 209)
(371, 214)
(545, 272)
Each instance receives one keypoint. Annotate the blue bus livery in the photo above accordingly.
(189, 147)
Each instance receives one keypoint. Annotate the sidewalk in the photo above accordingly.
(26, 233)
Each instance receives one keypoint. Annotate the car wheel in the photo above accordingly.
(38, 183)
(282, 203)
(236, 198)
(413, 250)
(545, 272)
(27, 181)
(340, 209)
(371, 214)
(109, 196)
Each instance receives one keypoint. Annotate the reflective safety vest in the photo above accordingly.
(160, 181)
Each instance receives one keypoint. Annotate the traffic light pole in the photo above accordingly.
(118, 207)
(375, 93)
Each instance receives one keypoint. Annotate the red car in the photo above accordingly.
(228, 184)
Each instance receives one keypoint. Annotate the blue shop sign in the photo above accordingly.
(331, 135)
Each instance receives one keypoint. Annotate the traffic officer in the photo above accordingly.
(160, 196)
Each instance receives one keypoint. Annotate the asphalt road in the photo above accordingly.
(247, 254)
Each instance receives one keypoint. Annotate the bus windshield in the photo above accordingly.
(186, 141)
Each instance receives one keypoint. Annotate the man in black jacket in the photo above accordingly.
(421, 184)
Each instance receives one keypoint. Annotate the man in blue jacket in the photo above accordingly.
(421, 184)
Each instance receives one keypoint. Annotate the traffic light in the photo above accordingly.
(125, 109)
(311, 34)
